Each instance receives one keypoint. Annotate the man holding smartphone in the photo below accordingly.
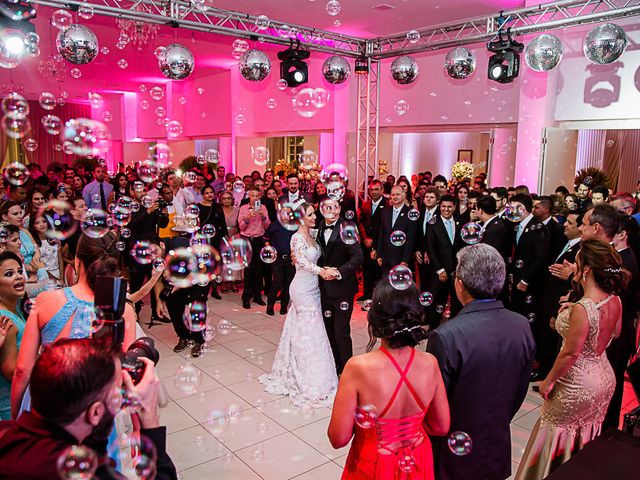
(253, 220)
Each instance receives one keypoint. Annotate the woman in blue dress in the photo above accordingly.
(12, 323)
(12, 213)
(68, 312)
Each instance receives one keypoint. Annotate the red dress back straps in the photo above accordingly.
(403, 379)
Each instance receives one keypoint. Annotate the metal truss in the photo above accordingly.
(181, 14)
(368, 125)
(521, 21)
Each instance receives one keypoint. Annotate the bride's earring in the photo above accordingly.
(584, 276)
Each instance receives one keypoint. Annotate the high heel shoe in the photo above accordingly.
(234, 288)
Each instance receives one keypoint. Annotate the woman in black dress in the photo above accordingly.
(211, 214)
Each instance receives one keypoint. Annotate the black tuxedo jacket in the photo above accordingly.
(530, 256)
(556, 287)
(392, 255)
(485, 355)
(557, 239)
(442, 253)
(369, 224)
(421, 241)
(284, 198)
(346, 258)
(497, 235)
(348, 204)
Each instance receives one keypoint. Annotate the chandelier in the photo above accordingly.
(53, 69)
(137, 33)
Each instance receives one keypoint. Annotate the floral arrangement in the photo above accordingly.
(592, 177)
(462, 171)
(285, 166)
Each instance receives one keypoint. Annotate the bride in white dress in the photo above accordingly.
(304, 367)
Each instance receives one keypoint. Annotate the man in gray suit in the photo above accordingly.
(485, 355)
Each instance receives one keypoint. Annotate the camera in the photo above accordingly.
(162, 203)
(142, 347)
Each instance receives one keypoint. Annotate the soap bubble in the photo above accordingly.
(349, 215)
(344, 306)
(61, 19)
(30, 145)
(174, 129)
(366, 416)
(60, 222)
(336, 172)
(157, 93)
(333, 7)
(195, 316)
(471, 233)
(268, 254)
(47, 100)
(52, 124)
(407, 464)
(143, 252)
(401, 107)
(426, 299)
(208, 230)
(217, 422)
(304, 103)
(282, 84)
(397, 238)
(86, 136)
(16, 173)
(161, 154)
(236, 252)
(336, 190)
(77, 463)
(515, 212)
(238, 186)
(16, 127)
(327, 313)
(413, 37)
(212, 155)
(349, 232)
(188, 379)
(260, 155)
(224, 327)
(460, 443)
(272, 103)
(413, 214)
(400, 277)
(181, 267)
(290, 215)
(96, 223)
(144, 455)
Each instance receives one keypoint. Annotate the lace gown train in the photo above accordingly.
(573, 414)
(304, 368)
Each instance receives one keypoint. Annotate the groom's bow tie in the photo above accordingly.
(329, 227)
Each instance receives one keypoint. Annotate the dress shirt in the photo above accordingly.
(254, 226)
(374, 206)
(328, 230)
(293, 197)
(218, 185)
(186, 196)
(395, 215)
(92, 190)
(428, 215)
(522, 226)
(450, 227)
(547, 220)
(484, 224)
(568, 245)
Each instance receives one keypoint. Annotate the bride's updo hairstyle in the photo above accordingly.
(396, 316)
(606, 265)
(98, 256)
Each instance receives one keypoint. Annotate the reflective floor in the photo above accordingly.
(268, 438)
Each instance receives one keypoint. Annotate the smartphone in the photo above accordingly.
(257, 205)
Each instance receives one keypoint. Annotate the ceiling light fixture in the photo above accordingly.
(504, 64)
(17, 10)
(362, 65)
(293, 69)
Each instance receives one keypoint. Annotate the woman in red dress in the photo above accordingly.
(391, 399)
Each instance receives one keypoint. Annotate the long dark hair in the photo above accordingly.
(395, 315)
(606, 265)
(98, 256)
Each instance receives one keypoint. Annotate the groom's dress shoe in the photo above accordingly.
(283, 309)
(270, 310)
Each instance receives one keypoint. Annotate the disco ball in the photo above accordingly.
(254, 65)
(77, 44)
(177, 63)
(605, 43)
(460, 63)
(404, 70)
(543, 52)
(336, 70)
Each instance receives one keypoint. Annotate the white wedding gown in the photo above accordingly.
(304, 367)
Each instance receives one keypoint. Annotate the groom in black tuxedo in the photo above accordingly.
(338, 284)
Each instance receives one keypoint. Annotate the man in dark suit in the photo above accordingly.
(485, 385)
(542, 209)
(494, 230)
(339, 284)
(395, 218)
(428, 214)
(443, 242)
(369, 225)
(557, 285)
(528, 268)
(292, 193)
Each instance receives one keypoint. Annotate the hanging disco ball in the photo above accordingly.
(254, 65)
(543, 52)
(404, 70)
(177, 63)
(336, 70)
(77, 44)
(460, 63)
(605, 43)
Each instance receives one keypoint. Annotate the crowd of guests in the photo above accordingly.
(509, 287)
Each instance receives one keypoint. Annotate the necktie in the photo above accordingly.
(395, 216)
(519, 233)
(103, 200)
(449, 229)
(427, 218)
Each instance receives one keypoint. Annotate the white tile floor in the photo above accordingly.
(270, 439)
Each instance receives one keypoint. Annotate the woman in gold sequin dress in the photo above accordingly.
(579, 387)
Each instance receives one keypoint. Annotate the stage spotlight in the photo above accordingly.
(14, 44)
(362, 65)
(504, 65)
(293, 69)
(18, 38)
(17, 10)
